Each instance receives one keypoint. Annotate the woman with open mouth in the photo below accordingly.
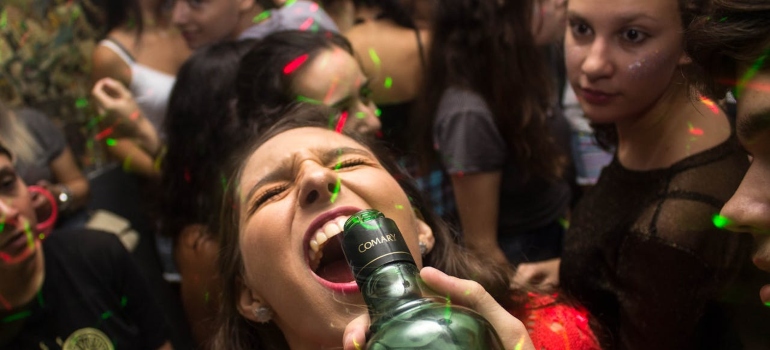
(289, 286)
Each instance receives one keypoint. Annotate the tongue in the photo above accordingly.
(336, 272)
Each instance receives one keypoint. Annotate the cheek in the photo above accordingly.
(574, 56)
(648, 65)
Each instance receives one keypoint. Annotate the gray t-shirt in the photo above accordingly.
(468, 141)
(50, 140)
(300, 15)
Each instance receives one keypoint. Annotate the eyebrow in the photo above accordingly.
(753, 123)
(622, 18)
(347, 99)
(284, 169)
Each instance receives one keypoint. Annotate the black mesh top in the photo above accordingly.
(643, 255)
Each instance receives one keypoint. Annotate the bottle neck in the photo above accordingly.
(391, 286)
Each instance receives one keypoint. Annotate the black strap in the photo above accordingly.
(122, 48)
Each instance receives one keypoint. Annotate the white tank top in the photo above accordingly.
(151, 88)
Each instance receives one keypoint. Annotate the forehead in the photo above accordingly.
(302, 142)
(623, 9)
(331, 74)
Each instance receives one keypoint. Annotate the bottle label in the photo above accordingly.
(371, 243)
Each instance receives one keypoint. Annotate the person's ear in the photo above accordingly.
(684, 59)
(250, 304)
(425, 235)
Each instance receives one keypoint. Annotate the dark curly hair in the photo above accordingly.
(732, 33)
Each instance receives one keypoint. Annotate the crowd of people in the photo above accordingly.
(585, 174)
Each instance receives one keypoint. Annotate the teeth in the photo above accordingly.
(327, 231)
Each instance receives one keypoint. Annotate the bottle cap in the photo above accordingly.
(371, 240)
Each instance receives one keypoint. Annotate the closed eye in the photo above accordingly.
(349, 163)
(267, 195)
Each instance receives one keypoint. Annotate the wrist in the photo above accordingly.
(64, 198)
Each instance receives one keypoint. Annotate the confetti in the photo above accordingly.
(261, 17)
(341, 122)
(81, 103)
(305, 99)
(693, 130)
(378, 112)
(375, 58)
(111, 142)
(16, 316)
(720, 221)
(294, 64)
(750, 73)
(709, 103)
(336, 190)
(388, 82)
(306, 24)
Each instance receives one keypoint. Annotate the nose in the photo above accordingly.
(597, 63)
(180, 12)
(749, 208)
(318, 184)
(366, 120)
(9, 215)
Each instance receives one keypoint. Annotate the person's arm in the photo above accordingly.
(107, 64)
(195, 255)
(467, 293)
(134, 158)
(478, 197)
(122, 117)
(67, 173)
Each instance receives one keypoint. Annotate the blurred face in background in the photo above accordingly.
(204, 22)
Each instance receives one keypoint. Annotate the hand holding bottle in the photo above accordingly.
(462, 292)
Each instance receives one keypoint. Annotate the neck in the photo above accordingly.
(675, 127)
(28, 277)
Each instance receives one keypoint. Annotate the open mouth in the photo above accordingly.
(326, 259)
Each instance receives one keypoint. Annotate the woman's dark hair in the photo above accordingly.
(606, 135)
(200, 127)
(117, 13)
(390, 9)
(486, 46)
(730, 34)
(447, 255)
(263, 89)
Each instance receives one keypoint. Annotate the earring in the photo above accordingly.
(263, 314)
(423, 248)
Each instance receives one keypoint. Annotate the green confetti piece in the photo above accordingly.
(378, 112)
(111, 142)
(261, 17)
(720, 221)
(4, 19)
(123, 301)
(374, 57)
(81, 103)
(305, 99)
(17, 316)
(289, 3)
(399, 206)
(388, 82)
(336, 190)
(106, 315)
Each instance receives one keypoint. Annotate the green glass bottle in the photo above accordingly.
(403, 313)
